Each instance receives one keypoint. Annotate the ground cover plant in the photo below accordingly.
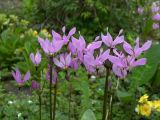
(80, 60)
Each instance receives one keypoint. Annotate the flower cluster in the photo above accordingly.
(145, 107)
(93, 55)
(156, 15)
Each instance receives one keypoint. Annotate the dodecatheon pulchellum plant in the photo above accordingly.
(155, 8)
(65, 38)
(123, 64)
(92, 63)
(50, 47)
(156, 17)
(108, 40)
(18, 77)
(35, 85)
(36, 59)
(140, 10)
(74, 64)
(155, 26)
(93, 46)
(137, 50)
(64, 60)
(54, 77)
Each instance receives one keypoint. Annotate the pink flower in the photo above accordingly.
(108, 40)
(156, 17)
(35, 85)
(17, 76)
(140, 10)
(36, 59)
(155, 26)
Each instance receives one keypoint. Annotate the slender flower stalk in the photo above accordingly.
(50, 86)
(105, 109)
(55, 97)
(40, 106)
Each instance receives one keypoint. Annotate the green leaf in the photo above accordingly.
(124, 96)
(88, 115)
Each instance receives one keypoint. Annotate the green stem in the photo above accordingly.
(105, 96)
(50, 87)
(40, 105)
(69, 116)
(54, 104)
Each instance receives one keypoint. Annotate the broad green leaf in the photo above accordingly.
(88, 115)
(124, 96)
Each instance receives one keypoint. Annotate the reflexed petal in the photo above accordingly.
(89, 59)
(68, 59)
(74, 63)
(97, 38)
(139, 62)
(32, 58)
(118, 40)
(116, 60)
(104, 56)
(127, 47)
(82, 42)
(146, 45)
(18, 75)
(94, 45)
(57, 45)
(56, 36)
(58, 63)
(107, 39)
(64, 29)
(72, 31)
(38, 58)
(26, 77)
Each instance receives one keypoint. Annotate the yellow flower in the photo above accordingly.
(145, 110)
(156, 105)
(35, 33)
(143, 99)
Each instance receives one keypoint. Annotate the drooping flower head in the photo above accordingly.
(64, 60)
(137, 50)
(18, 77)
(140, 10)
(156, 17)
(65, 38)
(36, 59)
(155, 26)
(108, 40)
(50, 47)
(35, 85)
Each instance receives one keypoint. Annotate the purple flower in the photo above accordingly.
(35, 85)
(93, 46)
(108, 40)
(50, 47)
(123, 64)
(74, 63)
(17, 76)
(155, 26)
(140, 10)
(65, 38)
(64, 61)
(36, 59)
(156, 17)
(155, 8)
(119, 71)
(137, 50)
(92, 63)
(54, 75)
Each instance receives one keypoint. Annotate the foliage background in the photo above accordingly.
(90, 17)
